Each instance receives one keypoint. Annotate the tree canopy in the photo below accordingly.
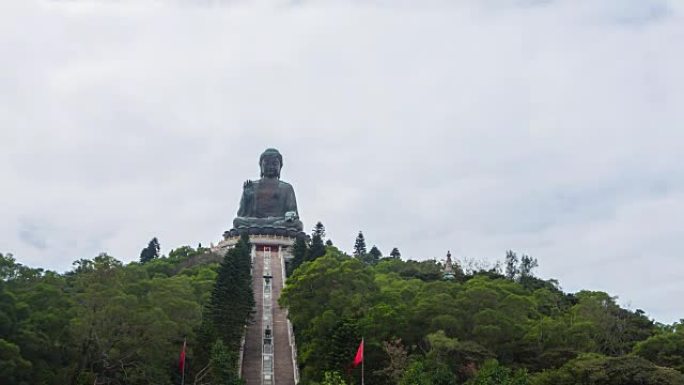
(485, 327)
(107, 322)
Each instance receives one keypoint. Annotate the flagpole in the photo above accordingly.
(363, 359)
(183, 374)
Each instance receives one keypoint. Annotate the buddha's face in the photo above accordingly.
(270, 167)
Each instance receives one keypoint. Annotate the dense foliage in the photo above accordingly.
(482, 328)
(230, 306)
(104, 322)
(308, 249)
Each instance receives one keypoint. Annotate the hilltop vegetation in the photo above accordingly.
(104, 322)
(485, 327)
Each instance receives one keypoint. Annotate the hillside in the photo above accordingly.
(106, 322)
(484, 327)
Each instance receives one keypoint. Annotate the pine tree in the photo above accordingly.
(395, 253)
(360, 246)
(344, 339)
(300, 252)
(319, 230)
(317, 246)
(375, 255)
(151, 251)
(232, 299)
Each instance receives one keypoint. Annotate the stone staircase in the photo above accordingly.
(269, 352)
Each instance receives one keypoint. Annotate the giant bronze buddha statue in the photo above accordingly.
(268, 204)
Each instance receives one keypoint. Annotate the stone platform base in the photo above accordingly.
(259, 243)
(264, 230)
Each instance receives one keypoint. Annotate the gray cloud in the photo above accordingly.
(549, 127)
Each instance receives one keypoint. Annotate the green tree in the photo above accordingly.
(13, 367)
(491, 373)
(666, 348)
(450, 329)
(395, 253)
(232, 299)
(317, 246)
(151, 251)
(332, 378)
(428, 270)
(427, 372)
(300, 252)
(613, 330)
(325, 298)
(184, 253)
(593, 369)
(125, 332)
(511, 262)
(461, 356)
(102, 322)
(8, 267)
(360, 246)
(223, 364)
(375, 254)
(416, 374)
(319, 230)
(343, 342)
(527, 264)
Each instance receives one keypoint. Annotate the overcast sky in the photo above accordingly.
(553, 128)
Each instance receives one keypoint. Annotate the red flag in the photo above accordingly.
(359, 355)
(181, 360)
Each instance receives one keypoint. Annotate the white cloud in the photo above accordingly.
(548, 127)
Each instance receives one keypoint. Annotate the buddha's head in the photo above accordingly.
(271, 162)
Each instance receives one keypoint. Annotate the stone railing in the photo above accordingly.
(290, 331)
